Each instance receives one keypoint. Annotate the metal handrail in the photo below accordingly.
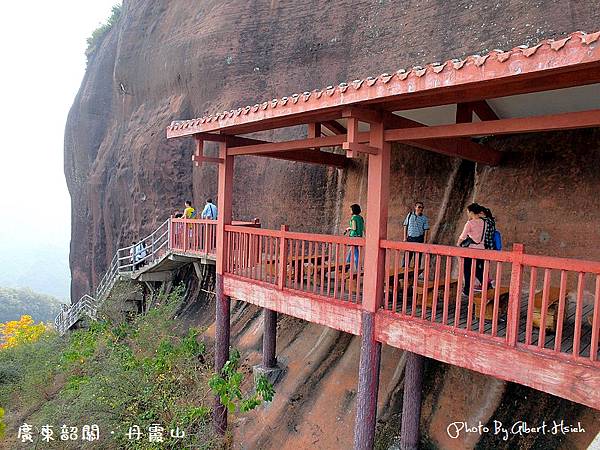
(124, 260)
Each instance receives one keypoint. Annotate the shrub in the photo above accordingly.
(98, 35)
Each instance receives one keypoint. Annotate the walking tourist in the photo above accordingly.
(416, 227)
(473, 236)
(189, 212)
(209, 211)
(356, 229)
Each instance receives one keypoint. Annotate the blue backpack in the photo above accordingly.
(497, 240)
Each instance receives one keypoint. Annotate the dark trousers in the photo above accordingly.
(411, 255)
(467, 273)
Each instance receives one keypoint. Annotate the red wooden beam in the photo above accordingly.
(484, 111)
(363, 114)
(332, 313)
(230, 140)
(353, 148)
(456, 147)
(335, 127)
(310, 156)
(285, 146)
(557, 376)
(200, 159)
(563, 121)
(314, 130)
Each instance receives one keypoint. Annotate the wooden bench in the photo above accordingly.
(552, 312)
(421, 285)
(488, 297)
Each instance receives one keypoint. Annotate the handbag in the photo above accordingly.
(467, 242)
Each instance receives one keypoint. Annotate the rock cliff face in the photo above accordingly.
(168, 60)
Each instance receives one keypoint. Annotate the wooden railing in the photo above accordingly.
(544, 304)
(323, 265)
(194, 236)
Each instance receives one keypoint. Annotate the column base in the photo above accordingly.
(273, 374)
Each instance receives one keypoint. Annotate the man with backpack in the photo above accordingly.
(209, 211)
(189, 212)
(416, 227)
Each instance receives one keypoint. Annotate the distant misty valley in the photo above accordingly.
(42, 267)
(17, 302)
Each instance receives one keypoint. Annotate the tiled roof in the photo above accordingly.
(495, 64)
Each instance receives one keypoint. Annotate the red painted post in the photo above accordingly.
(411, 402)
(514, 296)
(282, 257)
(368, 385)
(373, 285)
(222, 321)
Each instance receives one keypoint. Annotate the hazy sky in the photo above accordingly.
(42, 48)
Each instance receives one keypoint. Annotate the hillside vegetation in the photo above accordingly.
(129, 380)
(15, 302)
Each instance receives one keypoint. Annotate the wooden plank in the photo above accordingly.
(332, 313)
(557, 376)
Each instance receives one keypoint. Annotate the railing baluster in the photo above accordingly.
(316, 260)
(329, 255)
(386, 280)
(301, 263)
(459, 291)
(483, 299)
(561, 311)
(530, 305)
(595, 322)
(413, 311)
(395, 281)
(359, 276)
(436, 286)
(471, 294)
(343, 278)
(578, 315)
(496, 299)
(405, 284)
(335, 273)
(324, 246)
(425, 286)
(283, 267)
(447, 290)
(544, 309)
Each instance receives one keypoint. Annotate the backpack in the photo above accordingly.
(497, 240)
(193, 215)
(489, 233)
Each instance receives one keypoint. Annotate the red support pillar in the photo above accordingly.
(376, 229)
(269, 339)
(411, 404)
(222, 320)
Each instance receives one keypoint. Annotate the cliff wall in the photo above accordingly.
(167, 60)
